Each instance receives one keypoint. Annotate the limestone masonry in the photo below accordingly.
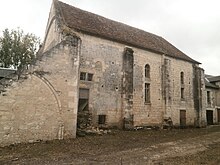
(95, 72)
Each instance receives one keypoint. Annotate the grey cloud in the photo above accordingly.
(192, 26)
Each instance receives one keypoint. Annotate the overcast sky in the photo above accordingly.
(190, 25)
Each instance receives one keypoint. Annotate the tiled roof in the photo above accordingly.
(99, 26)
(214, 79)
(210, 85)
(5, 72)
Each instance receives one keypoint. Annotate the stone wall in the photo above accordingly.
(175, 103)
(52, 32)
(28, 112)
(104, 59)
(43, 106)
(199, 95)
(61, 65)
(212, 105)
(147, 113)
(218, 95)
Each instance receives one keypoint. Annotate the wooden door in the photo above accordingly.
(209, 117)
(218, 111)
(182, 118)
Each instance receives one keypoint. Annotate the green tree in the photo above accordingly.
(17, 49)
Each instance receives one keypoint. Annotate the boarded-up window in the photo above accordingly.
(98, 65)
(83, 93)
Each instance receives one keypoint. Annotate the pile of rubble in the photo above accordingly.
(4, 83)
(92, 131)
(84, 126)
(84, 120)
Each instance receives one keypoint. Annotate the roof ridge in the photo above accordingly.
(108, 19)
(214, 78)
(97, 25)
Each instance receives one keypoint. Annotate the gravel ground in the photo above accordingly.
(159, 147)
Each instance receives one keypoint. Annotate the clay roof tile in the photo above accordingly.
(96, 25)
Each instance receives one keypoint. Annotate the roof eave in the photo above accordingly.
(129, 44)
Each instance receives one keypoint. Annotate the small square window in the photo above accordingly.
(90, 77)
(102, 119)
(82, 76)
(86, 76)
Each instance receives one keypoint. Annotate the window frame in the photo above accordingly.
(84, 76)
(182, 95)
(147, 99)
(101, 119)
(147, 71)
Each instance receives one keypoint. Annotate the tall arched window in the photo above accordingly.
(182, 78)
(147, 93)
(147, 71)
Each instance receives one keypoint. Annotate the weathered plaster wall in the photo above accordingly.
(128, 88)
(104, 60)
(106, 93)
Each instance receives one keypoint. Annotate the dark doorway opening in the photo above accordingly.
(83, 115)
(209, 117)
(218, 111)
(182, 118)
(83, 105)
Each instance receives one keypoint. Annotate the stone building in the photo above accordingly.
(6, 73)
(212, 84)
(93, 71)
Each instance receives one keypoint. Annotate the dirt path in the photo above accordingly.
(159, 153)
(188, 146)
